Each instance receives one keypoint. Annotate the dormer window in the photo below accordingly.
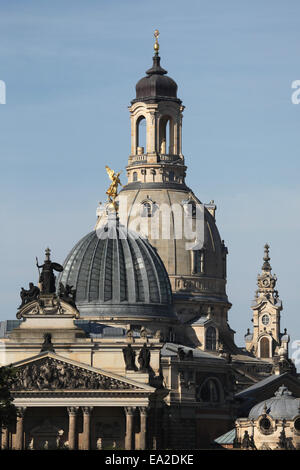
(148, 207)
(211, 339)
(146, 210)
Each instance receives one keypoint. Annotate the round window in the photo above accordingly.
(265, 319)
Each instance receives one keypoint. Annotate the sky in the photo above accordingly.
(70, 69)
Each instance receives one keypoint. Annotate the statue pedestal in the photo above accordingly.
(142, 377)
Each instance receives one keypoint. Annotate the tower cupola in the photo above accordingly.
(156, 129)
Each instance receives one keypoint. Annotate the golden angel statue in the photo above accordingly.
(112, 191)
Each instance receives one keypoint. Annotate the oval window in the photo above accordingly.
(265, 424)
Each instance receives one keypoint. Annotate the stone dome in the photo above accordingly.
(209, 286)
(156, 84)
(282, 406)
(118, 274)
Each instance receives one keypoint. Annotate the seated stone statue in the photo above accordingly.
(67, 293)
(29, 295)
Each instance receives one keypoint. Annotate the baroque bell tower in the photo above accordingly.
(266, 341)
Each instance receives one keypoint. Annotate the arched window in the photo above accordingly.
(211, 339)
(141, 132)
(264, 347)
(198, 261)
(166, 136)
(146, 210)
(209, 391)
(134, 176)
(191, 207)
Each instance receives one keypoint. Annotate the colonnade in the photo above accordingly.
(73, 413)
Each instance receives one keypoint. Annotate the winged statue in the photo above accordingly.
(112, 191)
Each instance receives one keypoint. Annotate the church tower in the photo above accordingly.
(155, 201)
(266, 341)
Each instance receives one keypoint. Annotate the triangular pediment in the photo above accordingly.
(50, 372)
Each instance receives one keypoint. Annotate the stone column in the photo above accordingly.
(87, 410)
(20, 428)
(143, 429)
(72, 410)
(4, 438)
(129, 427)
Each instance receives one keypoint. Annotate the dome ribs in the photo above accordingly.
(139, 273)
(93, 284)
(117, 274)
(82, 287)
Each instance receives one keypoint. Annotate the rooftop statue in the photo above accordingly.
(112, 191)
(47, 344)
(29, 295)
(67, 293)
(47, 277)
(129, 358)
(144, 358)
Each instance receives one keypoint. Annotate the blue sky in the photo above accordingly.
(70, 68)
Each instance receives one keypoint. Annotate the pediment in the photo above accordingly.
(48, 305)
(50, 372)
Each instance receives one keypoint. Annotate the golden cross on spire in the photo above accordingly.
(156, 45)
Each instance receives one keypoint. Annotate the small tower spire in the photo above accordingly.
(266, 266)
(266, 340)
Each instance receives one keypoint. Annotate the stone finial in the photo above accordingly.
(265, 408)
(266, 265)
(283, 390)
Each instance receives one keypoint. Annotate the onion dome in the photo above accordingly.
(156, 84)
(117, 274)
(282, 406)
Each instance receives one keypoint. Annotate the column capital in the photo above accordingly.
(21, 410)
(87, 409)
(130, 410)
(73, 410)
(144, 410)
